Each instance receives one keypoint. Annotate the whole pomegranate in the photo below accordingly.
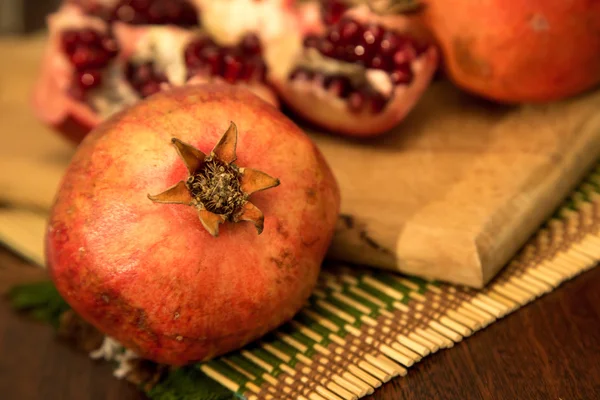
(358, 70)
(103, 56)
(191, 223)
(525, 51)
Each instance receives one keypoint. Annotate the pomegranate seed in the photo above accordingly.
(232, 67)
(326, 48)
(247, 71)
(370, 41)
(377, 62)
(125, 13)
(88, 49)
(405, 54)
(89, 36)
(150, 88)
(251, 44)
(349, 53)
(332, 11)
(110, 46)
(339, 85)
(333, 36)
(80, 58)
(192, 59)
(129, 71)
(144, 72)
(359, 52)
(69, 41)
(172, 11)
(378, 102)
(356, 101)
(193, 52)
(349, 31)
(89, 79)
(254, 69)
(212, 57)
(144, 79)
(311, 41)
(372, 35)
(402, 75)
(97, 58)
(389, 44)
(156, 14)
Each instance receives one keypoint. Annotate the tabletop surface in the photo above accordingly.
(546, 350)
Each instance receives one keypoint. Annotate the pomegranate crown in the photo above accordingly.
(216, 187)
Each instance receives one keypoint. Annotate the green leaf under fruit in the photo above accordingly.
(40, 300)
(189, 383)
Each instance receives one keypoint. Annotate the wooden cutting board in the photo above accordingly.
(452, 193)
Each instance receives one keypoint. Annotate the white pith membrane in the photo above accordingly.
(309, 98)
(113, 94)
(228, 21)
(112, 350)
(164, 47)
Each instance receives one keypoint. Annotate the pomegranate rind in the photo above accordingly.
(531, 52)
(149, 275)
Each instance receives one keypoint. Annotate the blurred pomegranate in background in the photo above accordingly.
(521, 51)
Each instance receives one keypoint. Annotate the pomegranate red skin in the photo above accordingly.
(528, 51)
(149, 275)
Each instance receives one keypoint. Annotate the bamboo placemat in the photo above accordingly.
(362, 327)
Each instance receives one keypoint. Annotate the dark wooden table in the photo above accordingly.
(548, 350)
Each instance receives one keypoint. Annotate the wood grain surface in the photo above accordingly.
(546, 350)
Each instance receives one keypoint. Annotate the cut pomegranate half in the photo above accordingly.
(80, 67)
(360, 76)
(92, 69)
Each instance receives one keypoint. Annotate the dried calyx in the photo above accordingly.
(216, 187)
